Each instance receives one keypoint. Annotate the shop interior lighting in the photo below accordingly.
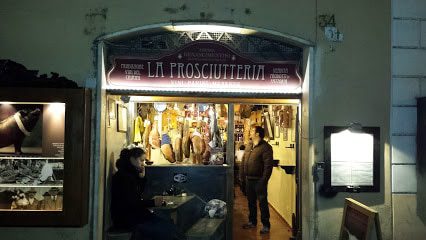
(7, 106)
(6, 103)
(141, 99)
(160, 106)
(176, 108)
(209, 28)
(296, 90)
(57, 109)
(11, 103)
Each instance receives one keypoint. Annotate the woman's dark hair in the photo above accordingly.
(126, 154)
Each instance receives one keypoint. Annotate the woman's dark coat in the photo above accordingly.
(127, 206)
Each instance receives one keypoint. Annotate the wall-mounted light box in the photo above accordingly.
(352, 158)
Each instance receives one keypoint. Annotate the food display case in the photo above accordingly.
(44, 156)
(180, 133)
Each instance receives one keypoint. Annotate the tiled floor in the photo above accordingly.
(279, 228)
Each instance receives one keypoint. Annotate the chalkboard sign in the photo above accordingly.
(359, 222)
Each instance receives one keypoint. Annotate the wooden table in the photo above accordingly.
(174, 206)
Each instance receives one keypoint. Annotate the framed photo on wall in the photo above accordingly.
(111, 111)
(41, 183)
(121, 118)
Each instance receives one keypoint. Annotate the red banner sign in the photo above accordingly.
(204, 66)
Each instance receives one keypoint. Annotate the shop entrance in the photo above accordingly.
(197, 91)
(192, 146)
(280, 124)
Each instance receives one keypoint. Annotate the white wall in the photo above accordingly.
(282, 186)
(350, 80)
(408, 82)
(352, 84)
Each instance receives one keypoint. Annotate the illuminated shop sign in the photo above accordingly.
(204, 66)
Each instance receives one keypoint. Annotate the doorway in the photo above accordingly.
(279, 118)
(280, 122)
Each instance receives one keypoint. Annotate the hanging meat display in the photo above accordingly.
(169, 118)
(183, 133)
(216, 141)
(154, 136)
(186, 140)
(145, 138)
(269, 133)
(206, 138)
(245, 111)
(177, 143)
(198, 147)
(166, 148)
(285, 117)
(205, 130)
(223, 110)
(246, 134)
(138, 130)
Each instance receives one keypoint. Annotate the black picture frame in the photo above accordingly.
(76, 158)
(328, 187)
(112, 111)
(121, 118)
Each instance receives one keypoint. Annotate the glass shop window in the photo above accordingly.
(180, 133)
(31, 156)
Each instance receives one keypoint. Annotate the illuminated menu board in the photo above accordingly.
(352, 159)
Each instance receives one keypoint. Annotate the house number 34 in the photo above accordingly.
(325, 20)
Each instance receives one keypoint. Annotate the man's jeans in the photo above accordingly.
(258, 190)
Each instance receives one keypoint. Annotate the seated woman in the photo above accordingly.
(128, 209)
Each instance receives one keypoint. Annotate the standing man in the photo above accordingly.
(257, 169)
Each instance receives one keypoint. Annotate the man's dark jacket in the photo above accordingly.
(127, 206)
(257, 162)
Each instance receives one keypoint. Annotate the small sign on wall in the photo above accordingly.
(180, 177)
(54, 129)
(121, 118)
